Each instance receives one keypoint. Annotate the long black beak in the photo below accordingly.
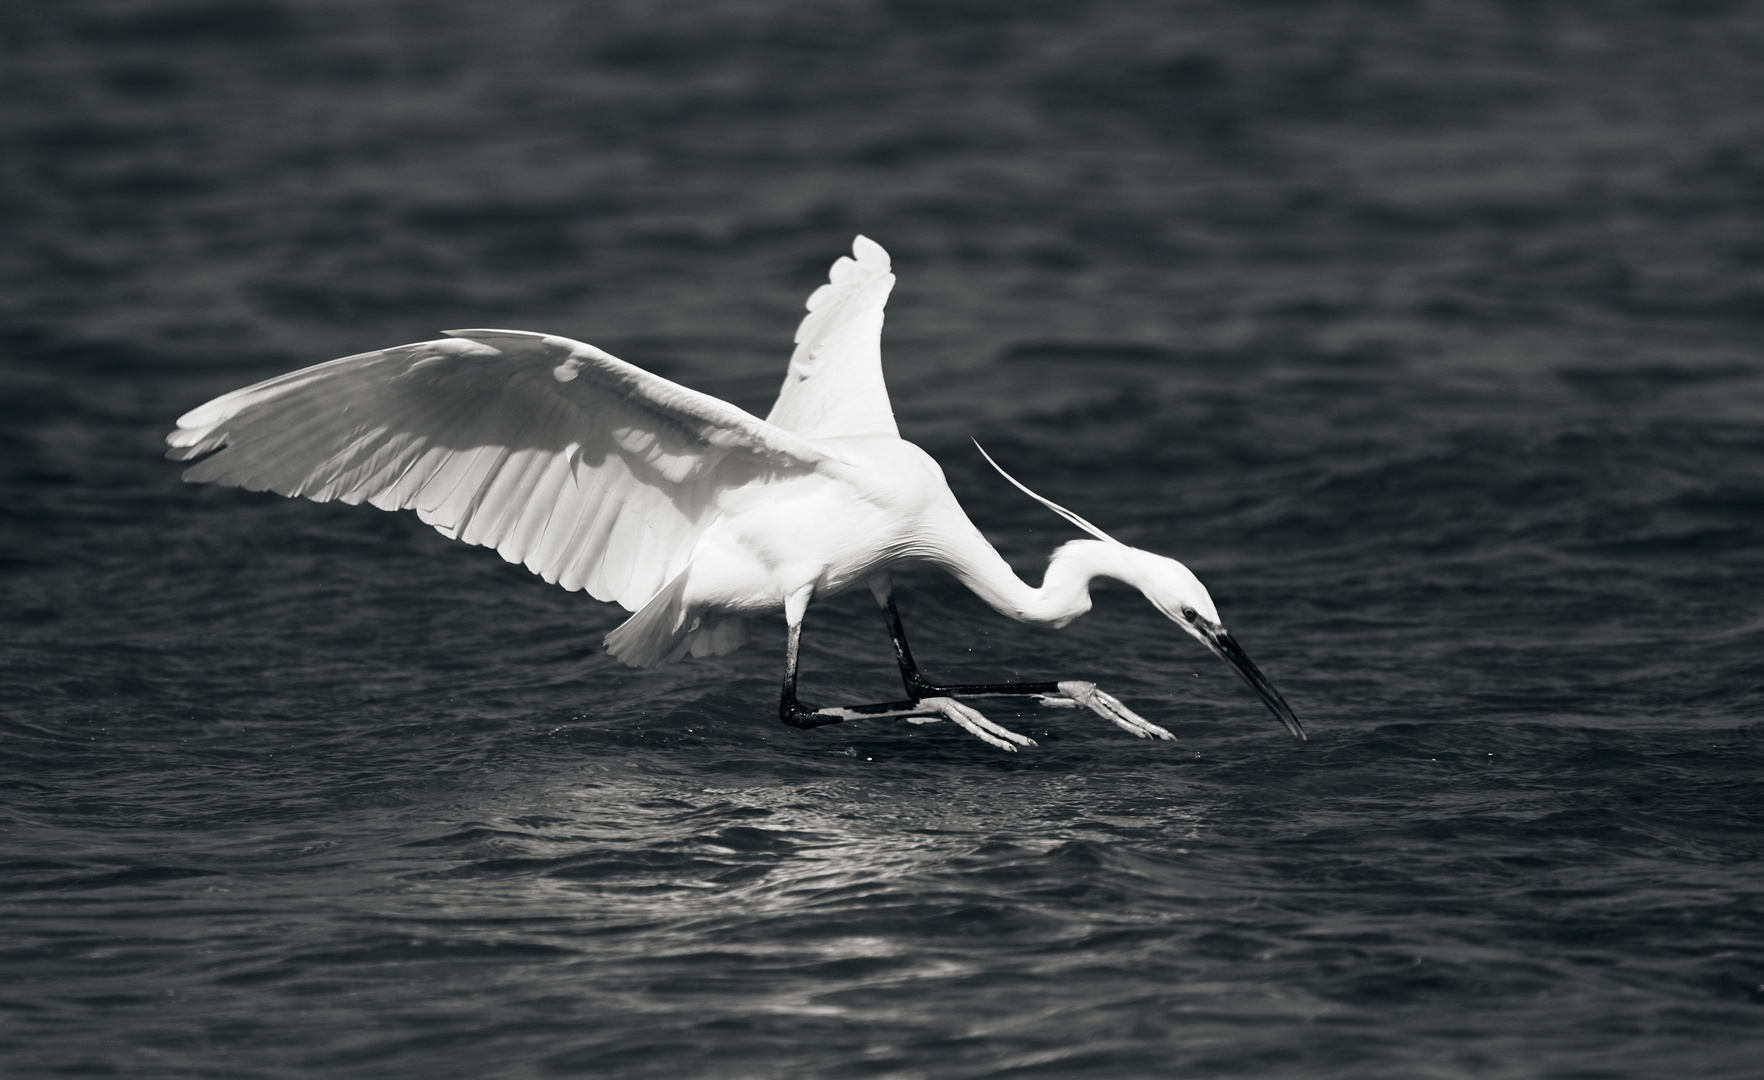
(1228, 650)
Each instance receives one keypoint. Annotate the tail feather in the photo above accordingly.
(648, 638)
(663, 630)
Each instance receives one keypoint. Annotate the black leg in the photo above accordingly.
(1069, 694)
(917, 686)
(792, 712)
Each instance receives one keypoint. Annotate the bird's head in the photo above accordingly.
(1179, 595)
(1174, 590)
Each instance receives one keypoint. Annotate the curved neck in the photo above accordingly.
(1065, 588)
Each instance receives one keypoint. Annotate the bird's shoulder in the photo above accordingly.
(885, 466)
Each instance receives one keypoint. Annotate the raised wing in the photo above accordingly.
(593, 473)
(834, 386)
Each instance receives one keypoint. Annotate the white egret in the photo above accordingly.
(689, 512)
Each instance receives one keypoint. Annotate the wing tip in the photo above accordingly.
(868, 266)
(870, 254)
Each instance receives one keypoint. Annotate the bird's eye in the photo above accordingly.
(1190, 614)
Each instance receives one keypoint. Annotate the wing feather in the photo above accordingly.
(432, 502)
(374, 453)
(586, 562)
(432, 457)
(409, 467)
(466, 503)
(498, 511)
(589, 471)
(534, 514)
(577, 500)
(422, 461)
(835, 385)
(624, 543)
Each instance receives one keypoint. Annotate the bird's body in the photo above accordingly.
(879, 502)
(689, 512)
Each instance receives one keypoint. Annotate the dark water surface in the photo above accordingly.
(1426, 333)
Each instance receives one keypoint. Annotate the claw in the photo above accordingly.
(1109, 707)
(977, 725)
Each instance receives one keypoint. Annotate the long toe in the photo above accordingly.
(1109, 707)
(977, 725)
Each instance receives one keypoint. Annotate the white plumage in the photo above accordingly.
(693, 514)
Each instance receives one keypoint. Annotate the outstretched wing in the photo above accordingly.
(834, 386)
(593, 473)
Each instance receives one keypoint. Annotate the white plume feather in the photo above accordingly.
(1049, 503)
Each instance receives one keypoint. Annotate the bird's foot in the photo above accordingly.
(798, 717)
(1074, 694)
(929, 710)
(973, 723)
